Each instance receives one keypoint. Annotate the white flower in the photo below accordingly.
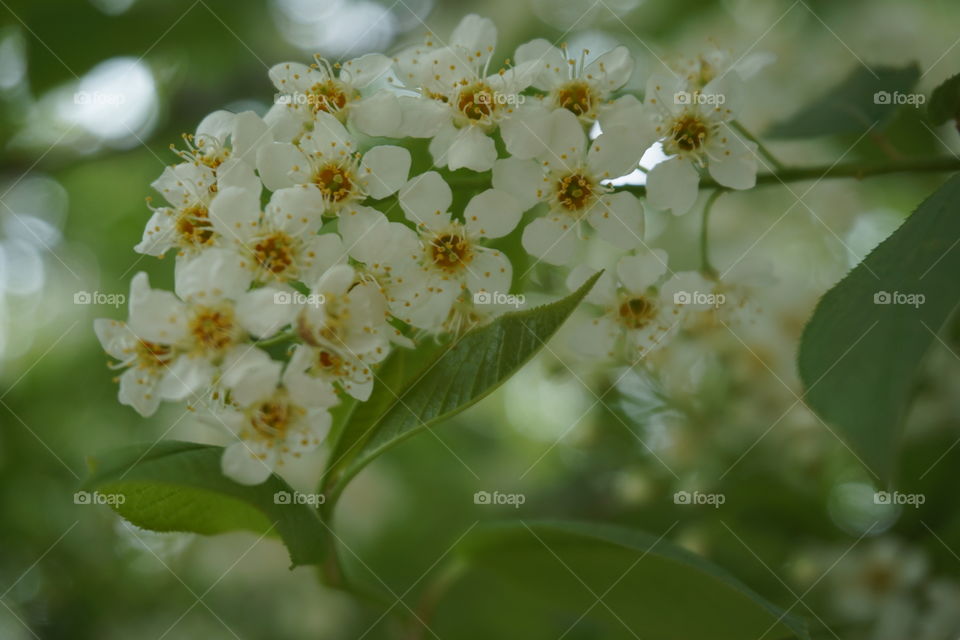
(224, 139)
(190, 189)
(388, 250)
(145, 362)
(460, 103)
(209, 323)
(637, 319)
(869, 579)
(570, 83)
(344, 91)
(275, 426)
(345, 331)
(450, 259)
(328, 163)
(570, 178)
(693, 127)
(280, 245)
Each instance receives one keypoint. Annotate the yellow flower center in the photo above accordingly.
(689, 132)
(450, 251)
(637, 312)
(477, 101)
(194, 226)
(334, 182)
(275, 253)
(330, 95)
(214, 329)
(575, 191)
(576, 97)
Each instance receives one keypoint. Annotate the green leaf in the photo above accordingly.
(858, 359)
(411, 395)
(178, 486)
(547, 579)
(945, 101)
(853, 106)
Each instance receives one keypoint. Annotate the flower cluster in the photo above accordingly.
(305, 250)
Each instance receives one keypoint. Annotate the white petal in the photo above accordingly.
(422, 117)
(185, 377)
(662, 90)
(491, 271)
(567, 141)
(385, 169)
(250, 133)
(138, 389)
(234, 172)
(673, 185)
(612, 156)
(159, 234)
(285, 122)
(155, 315)
(475, 34)
(329, 137)
(638, 273)
(290, 77)
(492, 214)
(526, 131)
(523, 179)
(426, 198)
(618, 219)
(307, 390)
(217, 125)
(551, 239)
(275, 163)
(234, 213)
(596, 338)
(250, 375)
(379, 115)
(611, 70)
(319, 254)
(550, 62)
(472, 149)
(734, 164)
(241, 464)
(603, 291)
(263, 312)
(296, 210)
(211, 276)
(115, 337)
(361, 71)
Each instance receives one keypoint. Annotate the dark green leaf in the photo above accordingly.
(178, 486)
(600, 581)
(865, 98)
(858, 359)
(945, 101)
(411, 396)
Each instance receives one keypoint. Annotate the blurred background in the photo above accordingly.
(93, 93)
